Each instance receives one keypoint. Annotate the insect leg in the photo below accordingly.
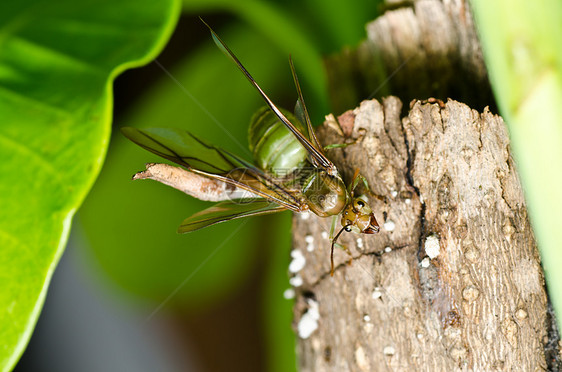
(357, 177)
(333, 227)
(334, 244)
(340, 145)
(346, 249)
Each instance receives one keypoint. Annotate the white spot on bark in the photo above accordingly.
(309, 239)
(521, 314)
(366, 318)
(431, 246)
(387, 249)
(389, 225)
(324, 234)
(377, 293)
(296, 281)
(359, 242)
(298, 261)
(394, 193)
(289, 294)
(389, 350)
(408, 201)
(309, 321)
(305, 215)
(361, 359)
(425, 263)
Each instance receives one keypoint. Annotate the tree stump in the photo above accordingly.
(421, 48)
(453, 281)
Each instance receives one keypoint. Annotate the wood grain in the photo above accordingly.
(416, 49)
(453, 281)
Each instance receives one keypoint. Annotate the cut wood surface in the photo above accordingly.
(453, 281)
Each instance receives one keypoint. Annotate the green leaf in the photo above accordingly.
(521, 42)
(57, 62)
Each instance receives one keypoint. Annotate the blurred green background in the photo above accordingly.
(217, 294)
(131, 294)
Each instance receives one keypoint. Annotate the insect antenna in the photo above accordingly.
(333, 243)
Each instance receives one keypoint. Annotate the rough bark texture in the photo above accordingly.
(423, 48)
(453, 281)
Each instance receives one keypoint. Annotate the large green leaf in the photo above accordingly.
(57, 62)
(521, 42)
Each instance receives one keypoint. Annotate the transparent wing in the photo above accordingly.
(227, 211)
(301, 111)
(185, 149)
(318, 158)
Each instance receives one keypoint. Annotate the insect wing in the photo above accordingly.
(185, 149)
(301, 111)
(319, 159)
(227, 211)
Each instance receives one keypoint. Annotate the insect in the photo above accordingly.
(290, 170)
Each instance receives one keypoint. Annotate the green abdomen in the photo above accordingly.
(274, 147)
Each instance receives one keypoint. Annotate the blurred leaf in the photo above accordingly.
(304, 29)
(277, 310)
(341, 23)
(283, 31)
(57, 62)
(521, 42)
(135, 240)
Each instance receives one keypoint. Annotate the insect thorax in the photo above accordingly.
(325, 195)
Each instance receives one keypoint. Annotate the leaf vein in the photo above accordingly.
(33, 156)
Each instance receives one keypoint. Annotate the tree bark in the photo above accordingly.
(420, 48)
(453, 281)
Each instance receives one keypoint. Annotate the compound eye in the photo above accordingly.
(360, 203)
